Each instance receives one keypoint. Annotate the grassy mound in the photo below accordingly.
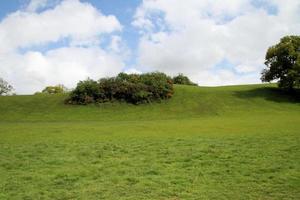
(237, 142)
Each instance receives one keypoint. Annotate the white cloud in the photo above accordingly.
(33, 71)
(222, 77)
(197, 35)
(34, 5)
(116, 43)
(245, 68)
(22, 33)
(69, 19)
(132, 71)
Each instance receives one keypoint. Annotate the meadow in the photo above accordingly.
(233, 142)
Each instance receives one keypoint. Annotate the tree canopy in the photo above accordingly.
(55, 89)
(130, 88)
(182, 80)
(5, 88)
(283, 63)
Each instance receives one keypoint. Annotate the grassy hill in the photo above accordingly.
(234, 142)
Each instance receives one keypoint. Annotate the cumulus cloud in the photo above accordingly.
(76, 29)
(132, 71)
(63, 41)
(34, 70)
(34, 5)
(194, 36)
(70, 19)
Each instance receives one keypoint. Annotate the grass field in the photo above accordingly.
(237, 142)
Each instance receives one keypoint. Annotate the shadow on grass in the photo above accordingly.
(271, 94)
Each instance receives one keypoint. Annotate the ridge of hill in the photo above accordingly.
(188, 102)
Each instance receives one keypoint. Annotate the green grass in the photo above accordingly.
(237, 142)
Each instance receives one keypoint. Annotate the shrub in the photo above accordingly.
(130, 88)
(54, 89)
(159, 85)
(87, 91)
(132, 78)
(182, 80)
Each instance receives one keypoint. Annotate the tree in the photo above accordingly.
(283, 63)
(130, 88)
(5, 88)
(182, 80)
(55, 89)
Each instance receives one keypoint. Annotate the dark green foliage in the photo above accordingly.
(117, 89)
(133, 78)
(87, 91)
(5, 88)
(55, 89)
(130, 88)
(182, 80)
(159, 85)
(283, 63)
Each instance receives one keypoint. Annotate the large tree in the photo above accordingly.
(5, 88)
(283, 63)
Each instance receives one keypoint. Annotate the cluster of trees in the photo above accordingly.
(130, 88)
(283, 63)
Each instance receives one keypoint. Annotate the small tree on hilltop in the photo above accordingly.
(283, 63)
(5, 88)
(55, 89)
(182, 80)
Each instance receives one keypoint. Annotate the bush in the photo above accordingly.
(54, 89)
(87, 91)
(159, 85)
(182, 80)
(130, 88)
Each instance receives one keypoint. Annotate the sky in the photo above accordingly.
(214, 42)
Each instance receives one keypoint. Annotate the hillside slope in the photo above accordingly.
(235, 142)
(188, 102)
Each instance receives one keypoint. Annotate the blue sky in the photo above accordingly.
(221, 42)
(122, 9)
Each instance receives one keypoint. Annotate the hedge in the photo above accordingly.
(130, 88)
